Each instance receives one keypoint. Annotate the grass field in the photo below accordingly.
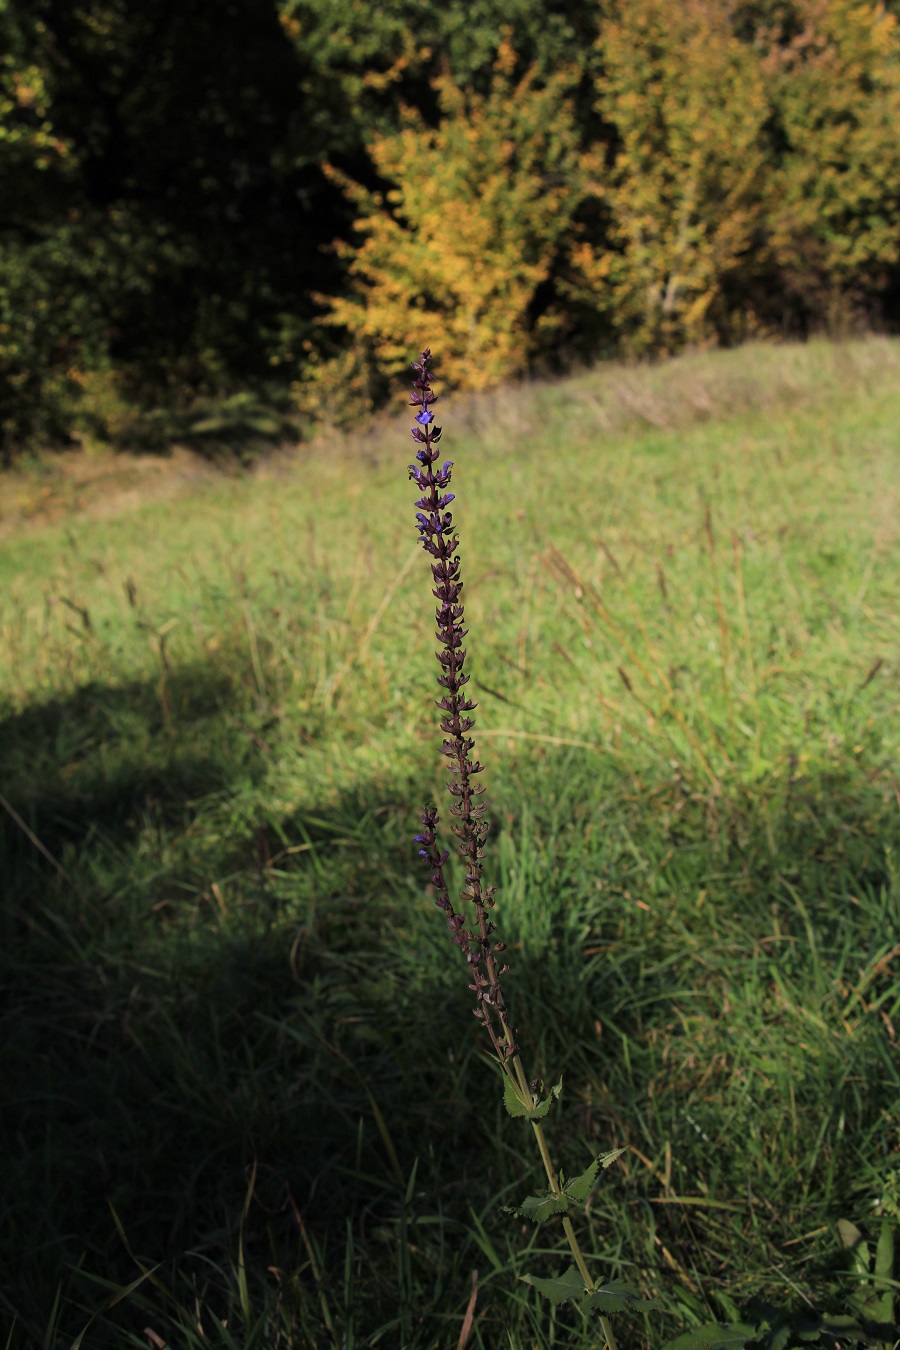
(239, 1064)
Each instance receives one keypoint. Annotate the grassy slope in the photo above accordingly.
(218, 721)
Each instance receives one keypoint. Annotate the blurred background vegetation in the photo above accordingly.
(224, 221)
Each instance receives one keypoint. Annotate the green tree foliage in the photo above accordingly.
(686, 102)
(833, 194)
(380, 57)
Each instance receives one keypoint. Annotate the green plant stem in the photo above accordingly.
(522, 1083)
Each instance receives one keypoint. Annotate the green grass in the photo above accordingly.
(239, 1063)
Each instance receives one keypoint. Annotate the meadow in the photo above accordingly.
(246, 1103)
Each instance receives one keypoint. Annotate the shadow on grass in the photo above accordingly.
(95, 760)
(161, 1031)
(310, 1017)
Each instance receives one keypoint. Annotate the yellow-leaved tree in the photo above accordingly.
(686, 104)
(453, 252)
(834, 198)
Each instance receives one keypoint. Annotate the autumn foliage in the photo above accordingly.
(467, 230)
(833, 191)
(276, 212)
(688, 104)
(744, 163)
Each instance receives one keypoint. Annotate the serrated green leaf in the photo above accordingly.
(516, 1107)
(512, 1101)
(542, 1108)
(614, 1295)
(567, 1286)
(713, 1337)
(781, 1339)
(541, 1207)
(607, 1159)
(579, 1188)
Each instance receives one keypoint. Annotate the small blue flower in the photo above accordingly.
(424, 417)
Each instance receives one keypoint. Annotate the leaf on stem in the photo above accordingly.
(579, 1188)
(574, 1191)
(714, 1337)
(514, 1104)
(537, 1208)
(564, 1287)
(614, 1295)
(609, 1298)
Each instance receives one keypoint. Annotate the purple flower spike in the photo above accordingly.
(439, 538)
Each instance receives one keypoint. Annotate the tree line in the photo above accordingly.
(219, 217)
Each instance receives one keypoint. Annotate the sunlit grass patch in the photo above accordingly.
(218, 951)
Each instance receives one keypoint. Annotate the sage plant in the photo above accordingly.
(473, 929)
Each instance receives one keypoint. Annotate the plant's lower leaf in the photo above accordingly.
(614, 1295)
(579, 1188)
(537, 1208)
(565, 1287)
(713, 1336)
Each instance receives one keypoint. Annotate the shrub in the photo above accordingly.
(465, 237)
(686, 102)
(833, 202)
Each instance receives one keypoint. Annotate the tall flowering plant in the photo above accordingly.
(473, 930)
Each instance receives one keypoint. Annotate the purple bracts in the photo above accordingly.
(440, 540)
